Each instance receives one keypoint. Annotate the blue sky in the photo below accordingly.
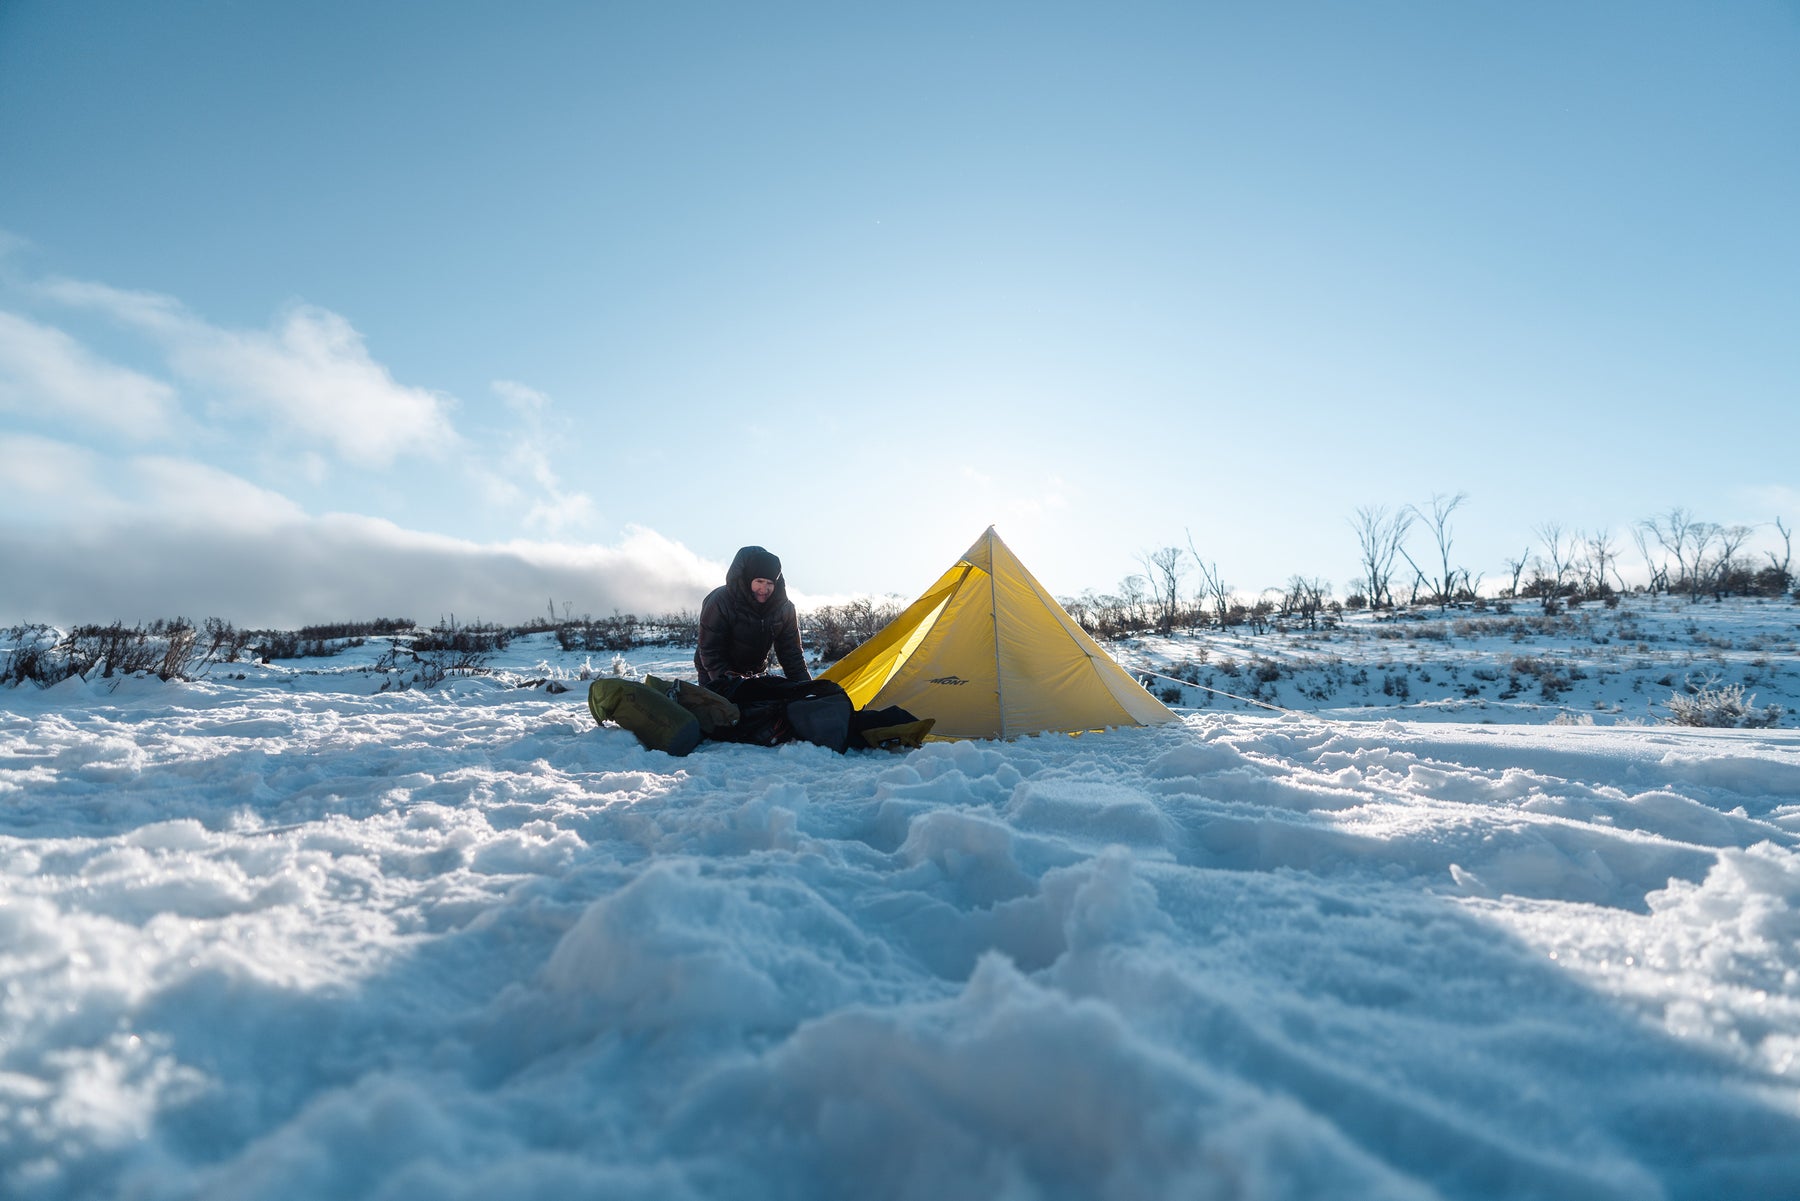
(311, 312)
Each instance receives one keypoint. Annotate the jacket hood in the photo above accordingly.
(755, 563)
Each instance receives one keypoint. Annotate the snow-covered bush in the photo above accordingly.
(31, 654)
(169, 650)
(1720, 705)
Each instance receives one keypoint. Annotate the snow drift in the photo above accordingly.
(280, 938)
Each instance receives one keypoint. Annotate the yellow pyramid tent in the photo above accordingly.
(989, 654)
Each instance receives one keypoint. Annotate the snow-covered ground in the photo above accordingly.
(1511, 663)
(287, 935)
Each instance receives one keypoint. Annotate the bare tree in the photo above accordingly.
(1723, 572)
(1133, 590)
(1517, 567)
(1657, 566)
(1438, 522)
(1213, 587)
(1305, 599)
(1081, 608)
(1260, 611)
(1380, 537)
(1420, 581)
(1684, 537)
(1103, 616)
(1781, 566)
(1701, 536)
(1597, 556)
(1164, 571)
(1218, 592)
(1553, 564)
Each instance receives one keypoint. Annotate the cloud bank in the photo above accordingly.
(44, 371)
(157, 536)
(332, 568)
(310, 375)
(108, 520)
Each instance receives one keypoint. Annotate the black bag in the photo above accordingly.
(823, 718)
(760, 723)
(774, 710)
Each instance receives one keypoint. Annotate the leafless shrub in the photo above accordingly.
(165, 649)
(833, 631)
(476, 638)
(180, 647)
(619, 632)
(1306, 601)
(1722, 706)
(1188, 670)
(33, 655)
(225, 642)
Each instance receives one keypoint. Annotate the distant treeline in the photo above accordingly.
(1561, 570)
(178, 649)
(1559, 567)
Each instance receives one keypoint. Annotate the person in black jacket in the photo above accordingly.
(743, 620)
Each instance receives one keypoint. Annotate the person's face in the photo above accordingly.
(762, 589)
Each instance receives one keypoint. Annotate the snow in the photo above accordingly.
(1509, 662)
(291, 936)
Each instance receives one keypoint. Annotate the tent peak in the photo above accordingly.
(987, 653)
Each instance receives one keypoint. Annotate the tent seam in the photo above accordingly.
(994, 617)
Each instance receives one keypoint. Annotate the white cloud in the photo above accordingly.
(50, 482)
(70, 488)
(194, 495)
(33, 466)
(44, 371)
(159, 537)
(311, 374)
(102, 537)
(521, 398)
(555, 510)
(312, 467)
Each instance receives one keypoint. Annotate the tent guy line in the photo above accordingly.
(1234, 696)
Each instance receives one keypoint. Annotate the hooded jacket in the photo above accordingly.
(737, 633)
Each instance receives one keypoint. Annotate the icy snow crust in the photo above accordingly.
(286, 937)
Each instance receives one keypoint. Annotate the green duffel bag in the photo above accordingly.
(713, 710)
(659, 723)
